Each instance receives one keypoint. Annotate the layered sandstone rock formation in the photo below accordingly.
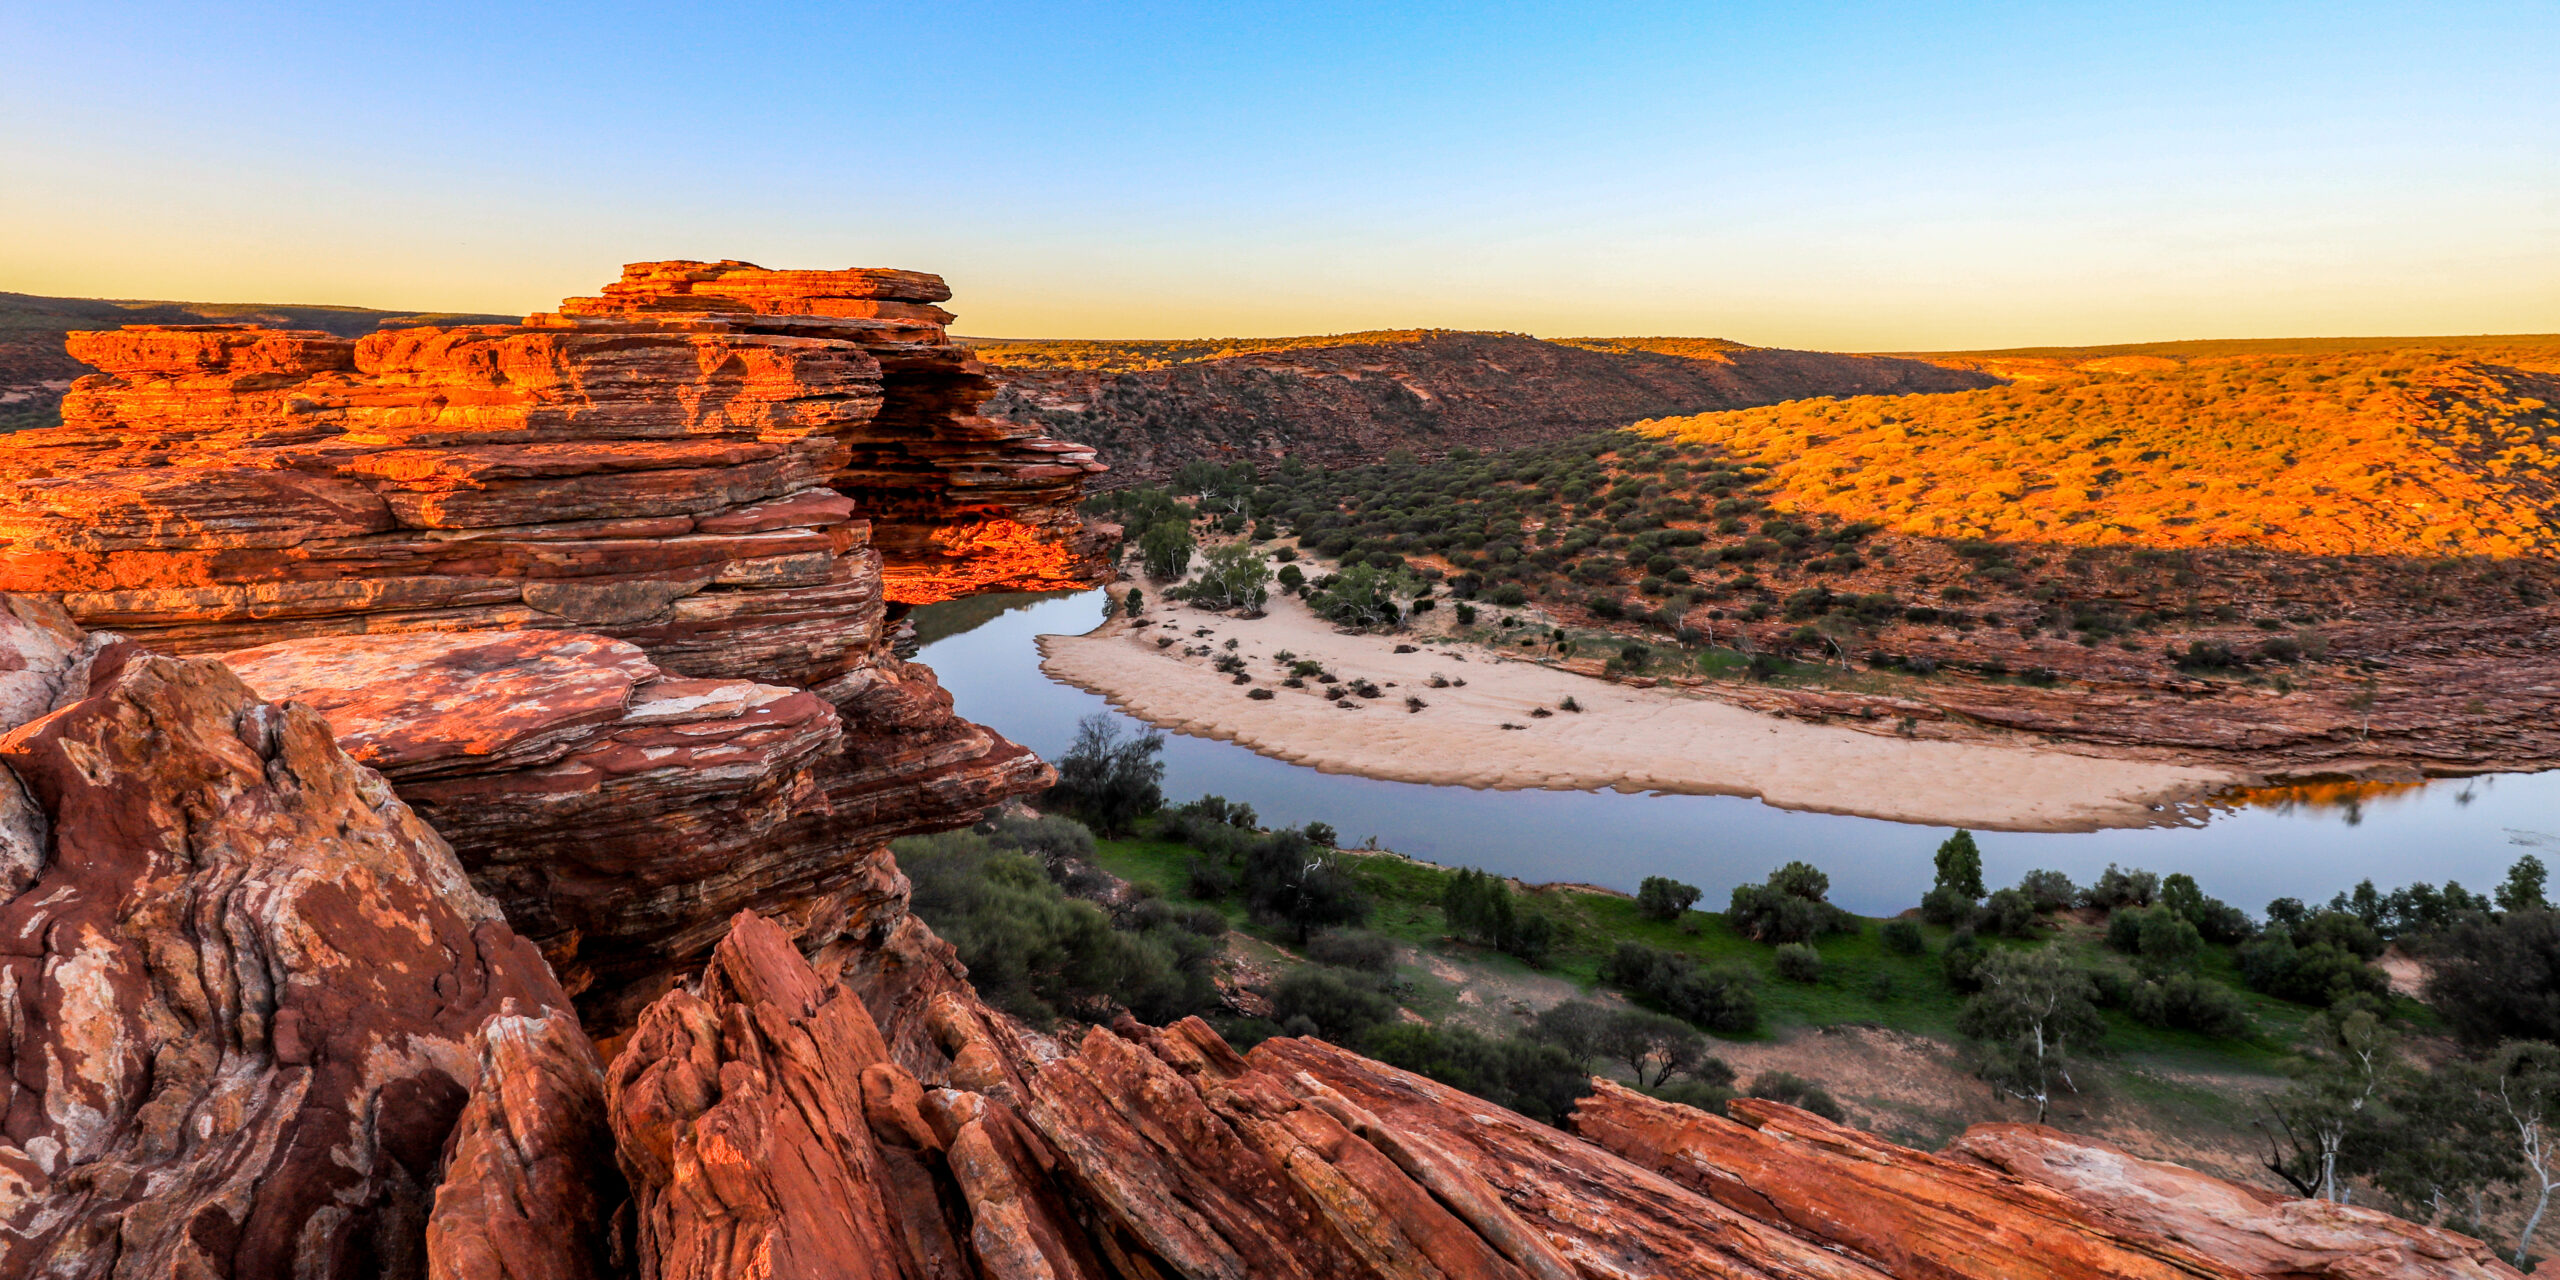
(734, 468)
(609, 595)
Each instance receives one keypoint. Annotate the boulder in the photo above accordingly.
(243, 993)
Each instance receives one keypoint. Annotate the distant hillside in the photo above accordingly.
(1350, 398)
(2425, 446)
(34, 370)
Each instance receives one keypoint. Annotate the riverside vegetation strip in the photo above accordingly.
(2211, 1029)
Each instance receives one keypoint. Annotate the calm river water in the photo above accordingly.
(2467, 829)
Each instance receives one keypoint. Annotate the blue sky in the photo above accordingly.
(1844, 176)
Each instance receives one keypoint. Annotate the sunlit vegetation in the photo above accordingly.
(2428, 451)
(1140, 355)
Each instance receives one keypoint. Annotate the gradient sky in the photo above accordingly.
(1849, 176)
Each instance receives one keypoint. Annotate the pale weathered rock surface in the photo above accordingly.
(2254, 1232)
(239, 999)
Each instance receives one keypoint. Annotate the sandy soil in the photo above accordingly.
(1630, 739)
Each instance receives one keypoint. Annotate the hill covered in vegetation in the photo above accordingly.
(1150, 407)
(35, 370)
(2335, 447)
(1661, 553)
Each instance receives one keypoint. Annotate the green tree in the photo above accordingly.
(2347, 1061)
(2523, 889)
(2498, 978)
(1363, 596)
(1289, 880)
(2033, 1012)
(1108, 780)
(1662, 898)
(1960, 866)
(2446, 1146)
(2526, 1084)
(1653, 1047)
(1234, 576)
(1574, 1026)
(1164, 550)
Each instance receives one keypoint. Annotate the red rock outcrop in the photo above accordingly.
(2255, 1232)
(241, 990)
(770, 1127)
(713, 486)
(619, 815)
(737, 490)
(2013, 1201)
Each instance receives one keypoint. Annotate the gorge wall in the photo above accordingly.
(466, 858)
(1150, 407)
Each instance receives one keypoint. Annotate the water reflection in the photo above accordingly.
(2307, 842)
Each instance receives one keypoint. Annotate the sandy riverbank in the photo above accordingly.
(1625, 738)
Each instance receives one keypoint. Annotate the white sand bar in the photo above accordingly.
(1625, 738)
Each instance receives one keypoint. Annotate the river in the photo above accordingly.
(2306, 845)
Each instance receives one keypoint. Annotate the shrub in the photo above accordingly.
(1108, 780)
(1722, 998)
(1796, 1091)
(2009, 913)
(2499, 979)
(2049, 890)
(2338, 929)
(2116, 888)
(2187, 1002)
(1903, 937)
(2168, 942)
(1798, 962)
(1537, 1080)
(1289, 881)
(1480, 908)
(1662, 898)
(1332, 1003)
(1039, 954)
(1961, 961)
(2320, 974)
(1945, 905)
(1347, 949)
(1705, 1095)
(1209, 878)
